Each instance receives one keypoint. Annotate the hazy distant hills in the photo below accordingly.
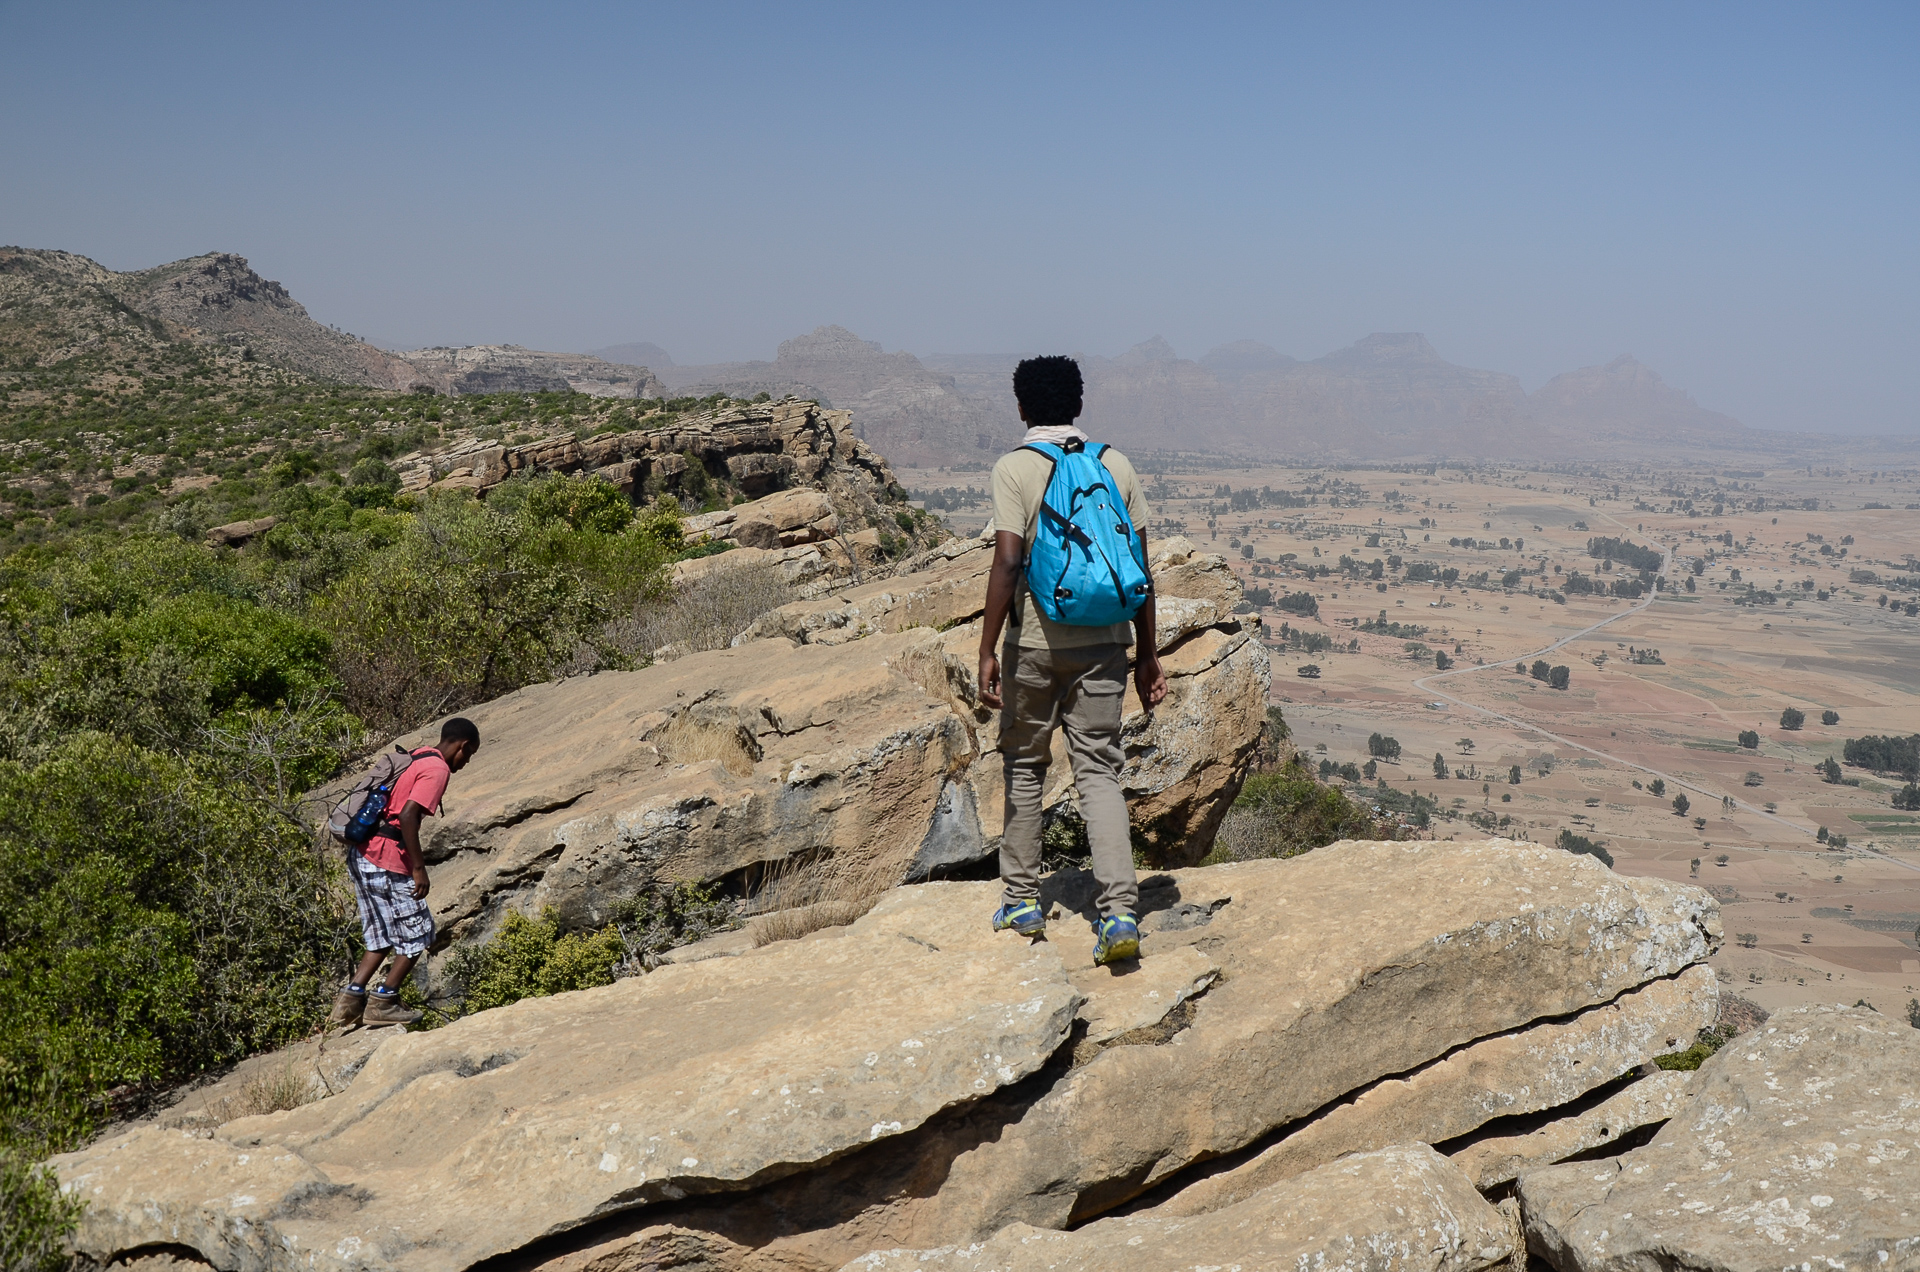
(1389, 395)
(1386, 396)
(56, 307)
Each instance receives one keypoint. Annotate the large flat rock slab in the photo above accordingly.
(1529, 1070)
(1354, 963)
(460, 1144)
(1800, 1148)
(1399, 1209)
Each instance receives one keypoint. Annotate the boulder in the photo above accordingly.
(1646, 1102)
(872, 749)
(781, 520)
(1331, 971)
(474, 1140)
(916, 1081)
(239, 533)
(1540, 1067)
(1799, 1148)
(1398, 1209)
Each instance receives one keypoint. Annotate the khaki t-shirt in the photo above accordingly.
(1019, 485)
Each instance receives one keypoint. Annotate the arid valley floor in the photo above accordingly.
(1834, 550)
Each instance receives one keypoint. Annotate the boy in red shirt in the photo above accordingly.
(389, 875)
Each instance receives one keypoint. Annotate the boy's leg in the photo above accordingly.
(369, 964)
(1026, 745)
(1091, 712)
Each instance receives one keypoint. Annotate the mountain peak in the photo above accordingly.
(826, 342)
(1154, 350)
(1387, 348)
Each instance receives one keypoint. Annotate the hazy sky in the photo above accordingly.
(1726, 191)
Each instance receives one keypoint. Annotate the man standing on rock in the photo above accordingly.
(389, 874)
(1070, 673)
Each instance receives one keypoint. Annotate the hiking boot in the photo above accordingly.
(387, 1009)
(347, 1007)
(1024, 917)
(1118, 938)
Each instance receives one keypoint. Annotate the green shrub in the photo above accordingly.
(35, 1217)
(162, 917)
(1285, 813)
(529, 958)
(1708, 1041)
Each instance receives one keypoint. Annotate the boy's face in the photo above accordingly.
(462, 752)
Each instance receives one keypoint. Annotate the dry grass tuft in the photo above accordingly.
(706, 612)
(803, 897)
(275, 1091)
(688, 741)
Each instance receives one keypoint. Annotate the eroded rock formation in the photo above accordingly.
(918, 1083)
(870, 748)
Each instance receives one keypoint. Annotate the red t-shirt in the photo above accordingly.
(424, 782)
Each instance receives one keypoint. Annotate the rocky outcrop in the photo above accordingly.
(1799, 1148)
(220, 298)
(1400, 1209)
(454, 1146)
(761, 449)
(914, 415)
(513, 369)
(916, 1082)
(1539, 1067)
(870, 750)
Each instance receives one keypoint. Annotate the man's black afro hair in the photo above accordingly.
(1049, 389)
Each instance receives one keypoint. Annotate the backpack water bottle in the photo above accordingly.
(358, 815)
(1086, 567)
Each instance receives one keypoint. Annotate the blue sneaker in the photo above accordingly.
(1119, 938)
(1024, 917)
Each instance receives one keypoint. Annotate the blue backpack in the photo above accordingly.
(1086, 567)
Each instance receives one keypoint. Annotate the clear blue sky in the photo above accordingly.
(1726, 191)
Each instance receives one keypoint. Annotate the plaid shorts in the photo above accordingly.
(391, 917)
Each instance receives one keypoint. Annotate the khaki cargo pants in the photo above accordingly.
(1082, 691)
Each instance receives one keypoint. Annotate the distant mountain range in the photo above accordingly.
(57, 305)
(1387, 396)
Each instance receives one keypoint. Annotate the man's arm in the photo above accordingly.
(1009, 554)
(1148, 680)
(410, 840)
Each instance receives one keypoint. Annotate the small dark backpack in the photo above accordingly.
(358, 815)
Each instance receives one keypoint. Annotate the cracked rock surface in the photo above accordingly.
(1399, 1209)
(473, 1140)
(1799, 1148)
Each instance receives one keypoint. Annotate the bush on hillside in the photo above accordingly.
(1285, 813)
(161, 918)
(1580, 845)
(477, 600)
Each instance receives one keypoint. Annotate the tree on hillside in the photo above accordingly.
(1466, 746)
(1792, 718)
(1750, 739)
(1658, 787)
(1559, 678)
(1513, 775)
(1439, 766)
(1541, 670)
(1680, 805)
(1829, 771)
(1829, 717)
(1382, 747)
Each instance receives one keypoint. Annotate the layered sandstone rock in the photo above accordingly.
(871, 750)
(1799, 1148)
(1540, 1067)
(457, 1145)
(1499, 1159)
(1399, 1209)
(918, 1082)
(513, 369)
